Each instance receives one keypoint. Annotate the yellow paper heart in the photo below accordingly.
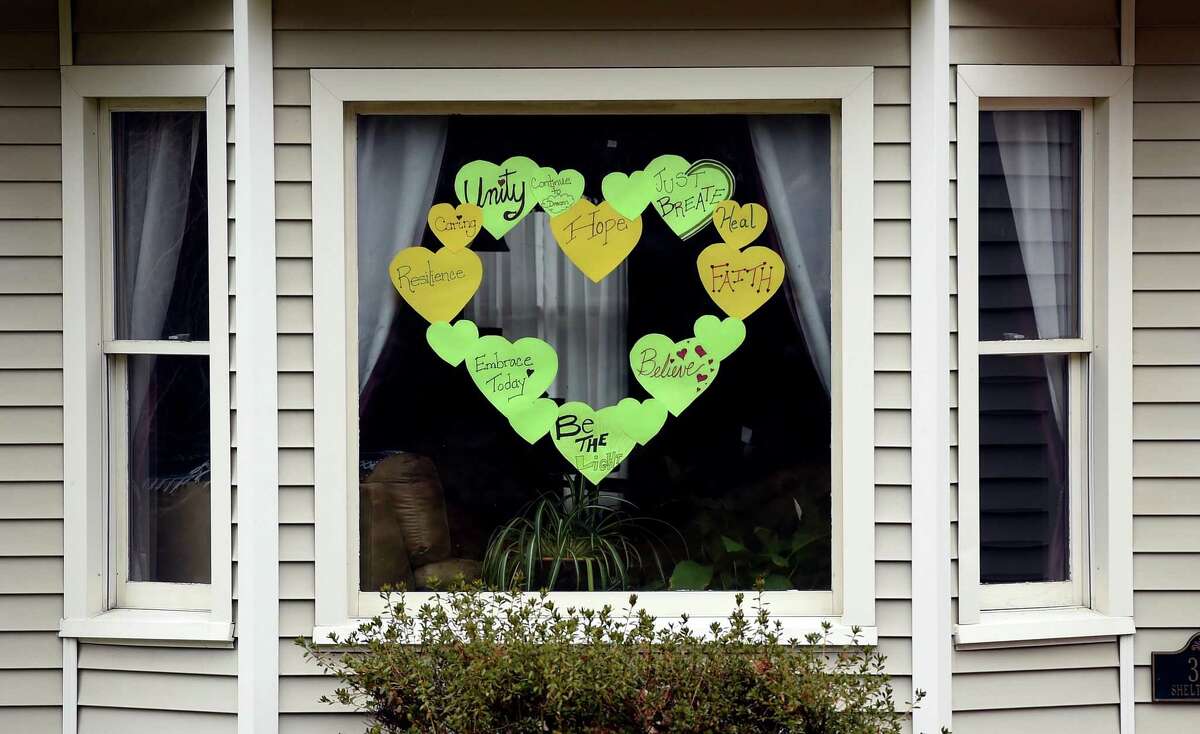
(455, 227)
(596, 238)
(436, 284)
(739, 224)
(739, 281)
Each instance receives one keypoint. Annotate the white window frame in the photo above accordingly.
(1098, 601)
(334, 92)
(97, 604)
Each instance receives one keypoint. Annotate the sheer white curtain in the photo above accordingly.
(793, 154)
(399, 159)
(535, 290)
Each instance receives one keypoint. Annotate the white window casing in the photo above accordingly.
(334, 92)
(1098, 600)
(200, 613)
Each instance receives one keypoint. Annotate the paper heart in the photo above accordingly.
(685, 194)
(595, 238)
(436, 284)
(721, 337)
(452, 343)
(555, 190)
(455, 227)
(739, 281)
(739, 224)
(592, 441)
(629, 194)
(640, 420)
(668, 377)
(511, 374)
(534, 420)
(502, 191)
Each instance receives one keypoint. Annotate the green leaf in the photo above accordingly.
(777, 582)
(731, 545)
(779, 560)
(690, 576)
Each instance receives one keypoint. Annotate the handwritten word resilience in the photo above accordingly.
(430, 278)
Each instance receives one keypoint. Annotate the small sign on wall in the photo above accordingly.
(1177, 674)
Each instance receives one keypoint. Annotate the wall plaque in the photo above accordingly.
(1177, 674)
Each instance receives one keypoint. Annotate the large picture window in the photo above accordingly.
(768, 473)
(735, 489)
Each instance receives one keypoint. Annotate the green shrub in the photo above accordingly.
(471, 662)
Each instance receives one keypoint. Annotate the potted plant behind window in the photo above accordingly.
(575, 532)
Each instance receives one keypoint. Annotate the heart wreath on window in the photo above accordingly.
(597, 237)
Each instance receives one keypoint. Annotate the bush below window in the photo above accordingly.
(471, 662)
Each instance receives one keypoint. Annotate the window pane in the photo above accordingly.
(169, 510)
(160, 226)
(1029, 218)
(1023, 469)
(740, 482)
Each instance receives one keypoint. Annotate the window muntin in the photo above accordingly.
(514, 296)
(1034, 301)
(156, 351)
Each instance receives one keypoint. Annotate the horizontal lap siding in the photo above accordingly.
(31, 535)
(312, 34)
(1069, 688)
(152, 689)
(1166, 322)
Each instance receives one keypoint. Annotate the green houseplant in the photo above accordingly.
(469, 662)
(577, 533)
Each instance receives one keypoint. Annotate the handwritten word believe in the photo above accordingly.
(759, 277)
(429, 279)
(595, 227)
(669, 368)
(507, 190)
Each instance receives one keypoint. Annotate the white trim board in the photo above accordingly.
(86, 600)
(331, 91)
(258, 396)
(1111, 445)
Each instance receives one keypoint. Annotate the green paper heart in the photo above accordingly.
(686, 194)
(641, 420)
(722, 337)
(675, 373)
(452, 343)
(628, 195)
(591, 441)
(555, 190)
(534, 420)
(511, 374)
(502, 191)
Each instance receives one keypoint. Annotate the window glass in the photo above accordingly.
(739, 484)
(1029, 224)
(1023, 468)
(168, 465)
(160, 225)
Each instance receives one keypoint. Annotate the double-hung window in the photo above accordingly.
(1044, 230)
(146, 368)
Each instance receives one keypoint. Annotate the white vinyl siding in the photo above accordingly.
(1166, 334)
(31, 468)
(365, 34)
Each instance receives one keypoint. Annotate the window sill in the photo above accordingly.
(793, 627)
(1029, 627)
(150, 627)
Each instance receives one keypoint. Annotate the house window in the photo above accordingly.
(1034, 345)
(156, 353)
(736, 488)
(408, 452)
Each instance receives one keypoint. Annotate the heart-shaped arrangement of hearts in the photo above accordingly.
(597, 236)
